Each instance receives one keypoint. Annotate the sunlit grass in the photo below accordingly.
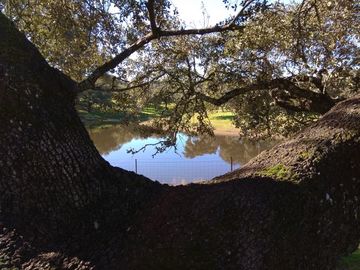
(221, 115)
(351, 262)
(220, 120)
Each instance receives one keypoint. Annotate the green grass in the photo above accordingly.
(95, 118)
(351, 262)
(222, 121)
(221, 115)
(277, 171)
(151, 111)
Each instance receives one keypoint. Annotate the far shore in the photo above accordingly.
(227, 130)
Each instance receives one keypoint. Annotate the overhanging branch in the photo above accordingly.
(89, 82)
(128, 87)
(285, 92)
(155, 33)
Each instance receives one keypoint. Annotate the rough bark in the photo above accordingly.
(51, 173)
(62, 206)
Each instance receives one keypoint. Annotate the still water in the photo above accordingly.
(195, 159)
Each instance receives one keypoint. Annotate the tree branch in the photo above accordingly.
(241, 12)
(128, 87)
(89, 82)
(200, 31)
(152, 17)
(287, 91)
(229, 95)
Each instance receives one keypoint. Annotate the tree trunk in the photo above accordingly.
(51, 173)
(62, 206)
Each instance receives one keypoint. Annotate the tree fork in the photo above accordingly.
(62, 206)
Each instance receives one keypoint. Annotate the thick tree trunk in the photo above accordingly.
(62, 206)
(51, 173)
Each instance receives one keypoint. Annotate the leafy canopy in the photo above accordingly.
(281, 67)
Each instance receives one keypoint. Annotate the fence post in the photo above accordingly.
(135, 165)
(231, 164)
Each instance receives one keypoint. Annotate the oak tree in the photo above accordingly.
(62, 205)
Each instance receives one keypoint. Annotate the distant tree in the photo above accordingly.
(91, 99)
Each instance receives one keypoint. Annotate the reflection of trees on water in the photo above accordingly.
(200, 146)
(113, 137)
(240, 150)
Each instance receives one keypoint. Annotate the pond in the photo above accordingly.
(195, 159)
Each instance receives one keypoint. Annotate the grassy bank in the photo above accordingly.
(351, 262)
(221, 121)
(97, 118)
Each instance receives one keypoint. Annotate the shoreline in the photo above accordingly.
(218, 131)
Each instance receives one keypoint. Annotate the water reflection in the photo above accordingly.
(108, 138)
(227, 147)
(197, 158)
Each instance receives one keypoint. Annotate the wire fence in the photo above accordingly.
(179, 172)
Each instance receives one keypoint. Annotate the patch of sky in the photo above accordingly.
(199, 13)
